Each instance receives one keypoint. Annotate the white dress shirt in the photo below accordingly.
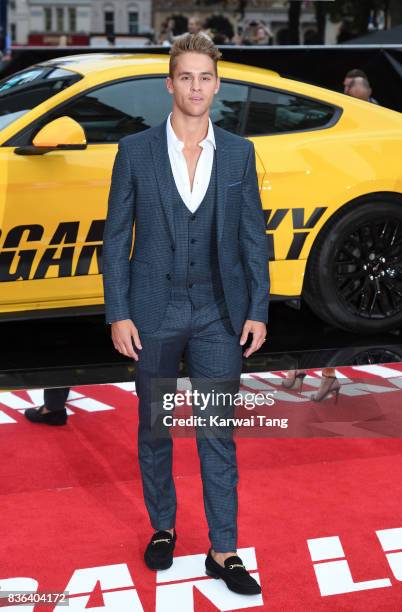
(192, 199)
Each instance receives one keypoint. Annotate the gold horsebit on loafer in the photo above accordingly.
(162, 540)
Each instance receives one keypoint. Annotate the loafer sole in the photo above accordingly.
(232, 587)
(54, 418)
(155, 566)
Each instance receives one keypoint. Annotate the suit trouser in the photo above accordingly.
(55, 398)
(214, 358)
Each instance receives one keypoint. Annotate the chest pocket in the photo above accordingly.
(235, 184)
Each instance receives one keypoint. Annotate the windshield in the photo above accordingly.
(22, 91)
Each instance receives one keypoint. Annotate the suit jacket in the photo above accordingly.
(139, 287)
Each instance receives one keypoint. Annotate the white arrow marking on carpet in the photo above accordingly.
(90, 405)
(126, 386)
(4, 418)
(36, 396)
(378, 370)
(74, 395)
(11, 400)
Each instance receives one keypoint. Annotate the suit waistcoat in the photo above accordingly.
(195, 268)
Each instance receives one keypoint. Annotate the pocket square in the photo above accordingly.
(232, 184)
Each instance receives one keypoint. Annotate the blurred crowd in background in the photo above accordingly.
(254, 33)
(227, 22)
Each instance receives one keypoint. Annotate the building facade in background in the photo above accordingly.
(81, 22)
(74, 21)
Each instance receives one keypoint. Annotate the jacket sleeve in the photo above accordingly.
(253, 243)
(117, 238)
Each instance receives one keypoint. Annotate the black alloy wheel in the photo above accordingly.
(354, 273)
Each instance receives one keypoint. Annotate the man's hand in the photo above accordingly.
(259, 330)
(123, 334)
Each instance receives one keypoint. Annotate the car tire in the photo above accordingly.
(338, 288)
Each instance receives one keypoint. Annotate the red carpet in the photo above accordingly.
(73, 515)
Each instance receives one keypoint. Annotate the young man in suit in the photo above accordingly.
(197, 283)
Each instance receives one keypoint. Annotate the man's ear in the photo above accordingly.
(169, 84)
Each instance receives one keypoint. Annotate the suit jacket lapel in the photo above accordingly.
(222, 172)
(160, 158)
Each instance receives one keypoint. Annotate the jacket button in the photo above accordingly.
(168, 276)
(172, 247)
(192, 217)
(191, 263)
(190, 285)
(192, 240)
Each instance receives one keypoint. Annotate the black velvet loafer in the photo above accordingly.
(159, 552)
(55, 417)
(234, 574)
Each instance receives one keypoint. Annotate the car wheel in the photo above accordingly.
(354, 271)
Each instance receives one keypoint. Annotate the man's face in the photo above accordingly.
(360, 89)
(194, 26)
(347, 84)
(194, 83)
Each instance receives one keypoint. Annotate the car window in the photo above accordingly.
(117, 109)
(114, 110)
(274, 112)
(22, 91)
(229, 106)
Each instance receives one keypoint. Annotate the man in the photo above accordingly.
(197, 282)
(194, 25)
(53, 411)
(356, 84)
(360, 88)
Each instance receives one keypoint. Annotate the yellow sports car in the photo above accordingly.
(329, 169)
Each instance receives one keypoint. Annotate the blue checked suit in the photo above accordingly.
(147, 288)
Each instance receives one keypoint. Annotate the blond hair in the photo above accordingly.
(197, 43)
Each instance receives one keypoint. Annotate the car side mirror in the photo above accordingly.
(63, 134)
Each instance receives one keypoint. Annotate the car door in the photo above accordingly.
(283, 127)
(55, 204)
